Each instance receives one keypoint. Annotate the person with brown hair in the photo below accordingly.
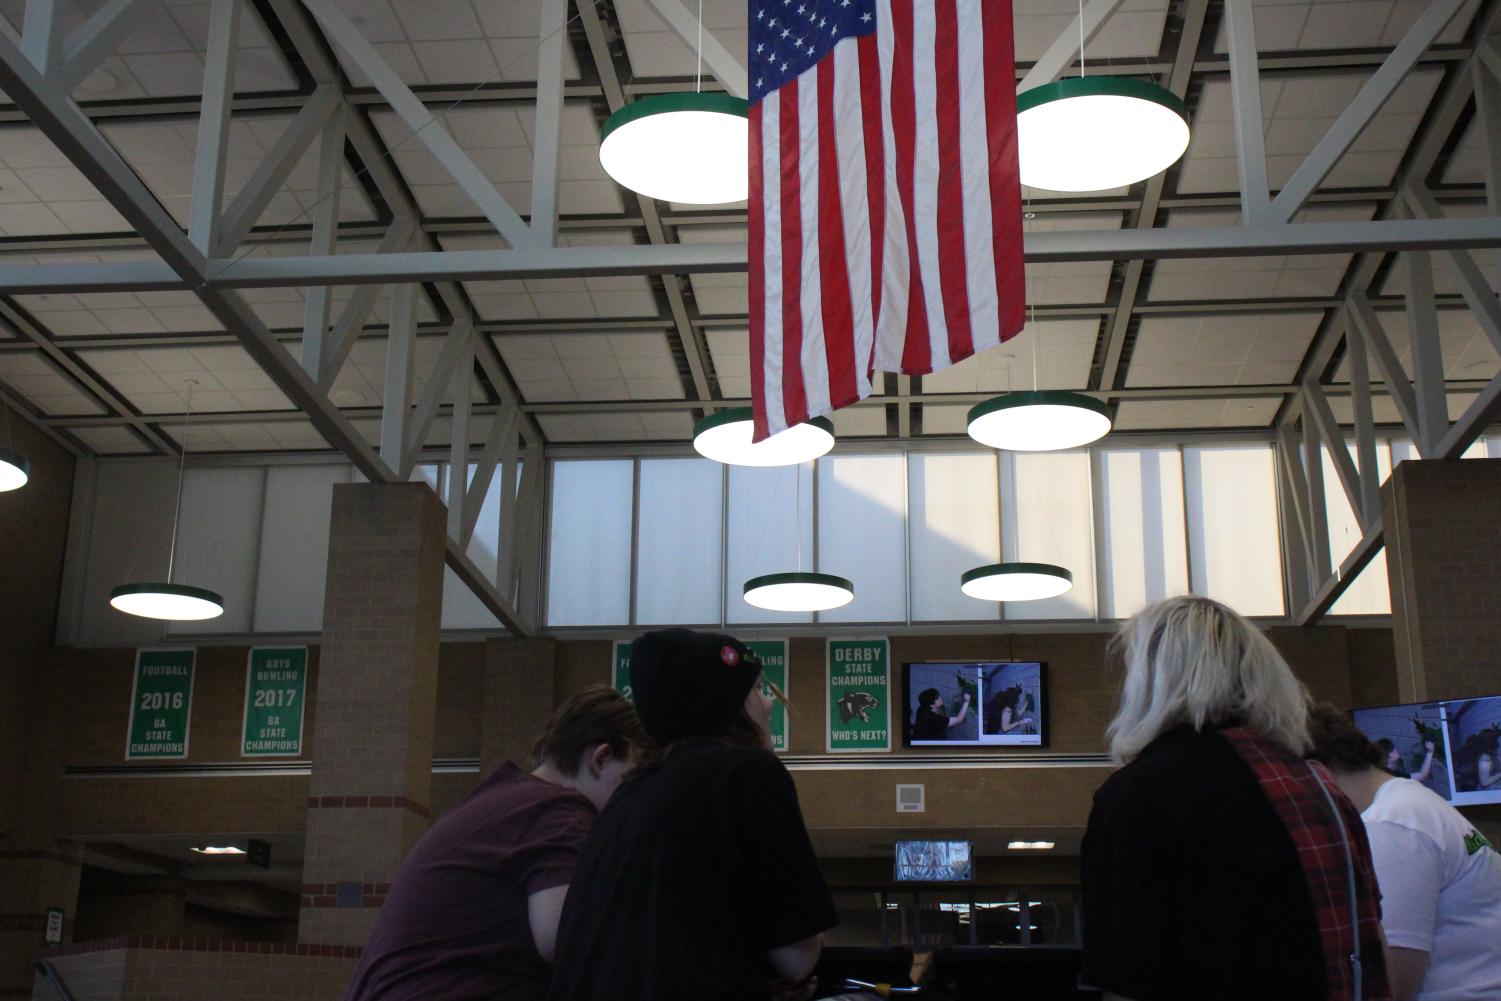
(699, 882)
(1440, 878)
(473, 910)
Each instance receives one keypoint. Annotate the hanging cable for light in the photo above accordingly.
(165, 600)
(726, 437)
(1097, 133)
(14, 469)
(798, 590)
(687, 147)
(1016, 582)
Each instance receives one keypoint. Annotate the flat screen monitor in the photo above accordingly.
(975, 704)
(934, 862)
(1450, 746)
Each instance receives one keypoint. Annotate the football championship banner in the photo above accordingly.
(859, 695)
(161, 702)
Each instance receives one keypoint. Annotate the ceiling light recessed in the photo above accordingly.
(692, 148)
(1030, 846)
(218, 850)
(14, 470)
(726, 437)
(1039, 421)
(1097, 133)
(1016, 582)
(799, 592)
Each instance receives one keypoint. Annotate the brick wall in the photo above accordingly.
(1442, 522)
(34, 525)
(157, 968)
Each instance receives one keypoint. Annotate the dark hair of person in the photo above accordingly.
(591, 716)
(1338, 743)
(1009, 698)
(1387, 747)
(926, 698)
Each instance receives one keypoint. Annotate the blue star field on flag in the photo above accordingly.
(787, 37)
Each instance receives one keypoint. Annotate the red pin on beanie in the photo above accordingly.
(690, 684)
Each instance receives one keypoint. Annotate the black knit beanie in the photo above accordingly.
(690, 684)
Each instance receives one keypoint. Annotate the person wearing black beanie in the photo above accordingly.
(698, 882)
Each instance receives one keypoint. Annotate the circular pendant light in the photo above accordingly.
(1039, 421)
(1097, 133)
(14, 470)
(726, 437)
(799, 592)
(1016, 582)
(176, 602)
(686, 147)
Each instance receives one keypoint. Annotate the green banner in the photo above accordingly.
(620, 670)
(275, 690)
(160, 702)
(859, 695)
(773, 657)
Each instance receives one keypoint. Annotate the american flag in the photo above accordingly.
(885, 205)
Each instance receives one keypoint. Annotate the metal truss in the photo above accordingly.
(1308, 428)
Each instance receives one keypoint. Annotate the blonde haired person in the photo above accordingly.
(1217, 864)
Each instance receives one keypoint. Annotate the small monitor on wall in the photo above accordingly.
(1452, 747)
(934, 862)
(975, 704)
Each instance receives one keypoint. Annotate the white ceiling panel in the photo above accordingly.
(1220, 349)
(1063, 350)
(111, 441)
(1170, 415)
(1341, 24)
(155, 380)
(1467, 352)
(1134, 31)
(668, 425)
(45, 385)
(583, 367)
(859, 422)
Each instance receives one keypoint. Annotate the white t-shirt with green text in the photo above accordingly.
(1440, 890)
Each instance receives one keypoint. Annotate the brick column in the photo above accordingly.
(376, 698)
(520, 675)
(1442, 521)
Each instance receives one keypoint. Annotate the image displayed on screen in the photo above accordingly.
(1412, 738)
(1464, 735)
(975, 704)
(934, 862)
(1474, 730)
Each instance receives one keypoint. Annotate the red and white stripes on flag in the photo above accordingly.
(885, 206)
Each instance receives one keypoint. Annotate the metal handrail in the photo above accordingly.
(50, 974)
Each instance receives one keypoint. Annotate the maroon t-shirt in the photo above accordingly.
(454, 925)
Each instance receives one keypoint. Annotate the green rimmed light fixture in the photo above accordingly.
(726, 437)
(1016, 582)
(164, 599)
(799, 592)
(1097, 133)
(15, 471)
(1041, 420)
(688, 147)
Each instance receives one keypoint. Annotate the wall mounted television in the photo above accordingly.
(1464, 765)
(1006, 704)
(934, 862)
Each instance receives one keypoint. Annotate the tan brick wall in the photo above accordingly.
(1442, 521)
(369, 795)
(519, 697)
(175, 969)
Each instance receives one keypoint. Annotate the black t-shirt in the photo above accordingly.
(1192, 888)
(929, 725)
(692, 873)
